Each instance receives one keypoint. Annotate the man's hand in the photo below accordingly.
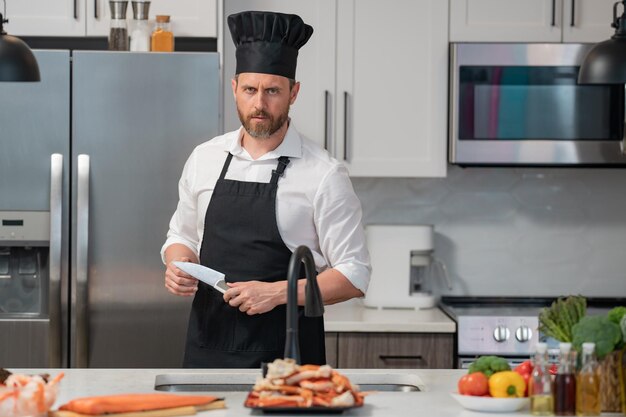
(255, 297)
(178, 282)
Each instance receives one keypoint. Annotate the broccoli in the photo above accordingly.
(489, 365)
(600, 330)
(616, 314)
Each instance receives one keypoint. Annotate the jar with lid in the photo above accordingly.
(118, 35)
(141, 30)
(162, 37)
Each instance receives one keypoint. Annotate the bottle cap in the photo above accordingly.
(542, 347)
(565, 347)
(162, 18)
(589, 347)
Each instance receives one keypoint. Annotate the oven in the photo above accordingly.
(504, 326)
(521, 104)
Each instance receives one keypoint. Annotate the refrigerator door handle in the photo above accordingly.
(79, 316)
(56, 235)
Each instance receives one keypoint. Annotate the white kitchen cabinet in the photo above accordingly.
(530, 20)
(46, 17)
(374, 82)
(190, 18)
(315, 70)
(392, 73)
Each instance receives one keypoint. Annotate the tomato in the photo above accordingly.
(525, 369)
(553, 369)
(475, 383)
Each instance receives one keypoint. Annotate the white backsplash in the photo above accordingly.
(516, 232)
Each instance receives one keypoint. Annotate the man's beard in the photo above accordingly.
(265, 129)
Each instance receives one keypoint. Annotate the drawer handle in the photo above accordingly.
(385, 358)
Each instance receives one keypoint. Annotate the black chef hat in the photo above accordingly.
(268, 42)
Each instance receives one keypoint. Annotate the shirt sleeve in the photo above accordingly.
(182, 225)
(337, 217)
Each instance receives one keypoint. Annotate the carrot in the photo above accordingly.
(124, 403)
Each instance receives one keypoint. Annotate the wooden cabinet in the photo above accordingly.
(374, 82)
(192, 18)
(391, 350)
(530, 20)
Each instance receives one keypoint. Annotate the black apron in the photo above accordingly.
(241, 239)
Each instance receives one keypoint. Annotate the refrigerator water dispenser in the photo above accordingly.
(24, 286)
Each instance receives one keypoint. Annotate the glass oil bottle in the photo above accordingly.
(588, 383)
(565, 382)
(540, 384)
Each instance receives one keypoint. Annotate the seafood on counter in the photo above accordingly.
(128, 403)
(288, 384)
(27, 395)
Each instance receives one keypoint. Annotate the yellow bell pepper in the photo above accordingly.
(507, 384)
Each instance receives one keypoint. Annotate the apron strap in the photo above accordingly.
(283, 161)
(226, 164)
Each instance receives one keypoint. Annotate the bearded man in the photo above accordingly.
(248, 199)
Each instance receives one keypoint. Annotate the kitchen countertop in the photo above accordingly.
(434, 401)
(352, 316)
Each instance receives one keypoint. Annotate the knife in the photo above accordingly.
(209, 276)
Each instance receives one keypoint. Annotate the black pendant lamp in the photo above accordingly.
(605, 63)
(17, 62)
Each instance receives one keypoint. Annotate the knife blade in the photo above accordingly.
(207, 275)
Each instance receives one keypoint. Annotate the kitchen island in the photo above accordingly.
(433, 401)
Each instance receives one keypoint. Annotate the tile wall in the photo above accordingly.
(504, 231)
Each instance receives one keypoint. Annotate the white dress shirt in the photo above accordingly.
(315, 204)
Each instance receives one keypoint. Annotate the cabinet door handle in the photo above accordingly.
(326, 118)
(346, 109)
(553, 13)
(96, 15)
(75, 10)
(386, 358)
(572, 22)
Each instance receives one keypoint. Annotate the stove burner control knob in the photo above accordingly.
(523, 334)
(501, 334)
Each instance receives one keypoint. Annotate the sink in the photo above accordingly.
(243, 381)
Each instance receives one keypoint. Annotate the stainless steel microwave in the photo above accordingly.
(520, 104)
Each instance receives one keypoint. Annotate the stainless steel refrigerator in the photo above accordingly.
(90, 159)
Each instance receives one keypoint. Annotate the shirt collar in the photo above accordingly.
(291, 146)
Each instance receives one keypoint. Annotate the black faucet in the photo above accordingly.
(313, 305)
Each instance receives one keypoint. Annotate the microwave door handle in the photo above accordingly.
(54, 275)
(80, 318)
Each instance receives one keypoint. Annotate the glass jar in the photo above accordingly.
(141, 29)
(118, 35)
(162, 37)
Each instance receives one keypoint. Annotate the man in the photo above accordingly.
(248, 199)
